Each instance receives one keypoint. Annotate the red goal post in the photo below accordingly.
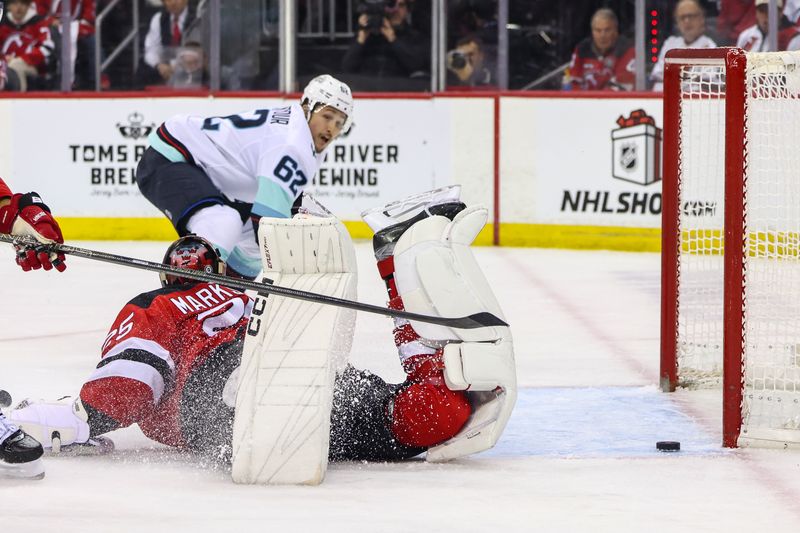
(730, 310)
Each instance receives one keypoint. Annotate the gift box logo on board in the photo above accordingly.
(636, 149)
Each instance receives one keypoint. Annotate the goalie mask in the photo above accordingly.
(191, 252)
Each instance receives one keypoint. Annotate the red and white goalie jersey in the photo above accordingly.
(165, 362)
(29, 40)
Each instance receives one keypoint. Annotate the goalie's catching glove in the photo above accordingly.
(28, 215)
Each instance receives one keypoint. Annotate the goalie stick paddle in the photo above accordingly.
(478, 320)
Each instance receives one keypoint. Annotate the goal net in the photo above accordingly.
(731, 237)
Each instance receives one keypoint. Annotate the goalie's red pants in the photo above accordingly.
(425, 412)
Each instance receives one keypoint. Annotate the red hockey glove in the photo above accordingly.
(28, 215)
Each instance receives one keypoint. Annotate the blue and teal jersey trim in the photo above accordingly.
(271, 200)
(164, 149)
(244, 264)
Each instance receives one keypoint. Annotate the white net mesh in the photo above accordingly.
(701, 194)
(772, 266)
(771, 408)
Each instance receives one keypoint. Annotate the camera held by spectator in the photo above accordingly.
(394, 50)
(375, 11)
(468, 61)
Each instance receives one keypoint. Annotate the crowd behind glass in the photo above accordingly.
(374, 45)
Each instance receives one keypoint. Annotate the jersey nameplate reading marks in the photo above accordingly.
(281, 116)
(203, 299)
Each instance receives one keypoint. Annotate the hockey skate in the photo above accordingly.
(20, 454)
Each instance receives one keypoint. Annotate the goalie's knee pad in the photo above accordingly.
(425, 412)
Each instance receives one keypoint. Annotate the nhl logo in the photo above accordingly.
(636, 149)
(135, 129)
(627, 157)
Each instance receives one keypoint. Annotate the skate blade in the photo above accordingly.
(31, 470)
(94, 446)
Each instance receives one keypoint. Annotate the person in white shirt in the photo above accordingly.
(754, 38)
(691, 22)
(163, 39)
(217, 176)
(792, 11)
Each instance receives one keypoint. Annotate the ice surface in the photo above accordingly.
(579, 453)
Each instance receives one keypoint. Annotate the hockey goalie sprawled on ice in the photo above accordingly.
(264, 383)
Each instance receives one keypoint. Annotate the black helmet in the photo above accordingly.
(192, 252)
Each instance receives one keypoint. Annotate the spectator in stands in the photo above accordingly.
(163, 41)
(737, 15)
(3, 74)
(603, 61)
(469, 64)
(27, 43)
(792, 11)
(386, 45)
(82, 35)
(190, 67)
(691, 21)
(734, 17)
(474, 17)
(754, 38)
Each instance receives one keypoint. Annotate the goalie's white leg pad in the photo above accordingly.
(437, 274)
(292, 350)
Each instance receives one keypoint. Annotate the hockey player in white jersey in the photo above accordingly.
(217, 176)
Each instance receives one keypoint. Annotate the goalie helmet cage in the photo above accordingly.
(730, 293)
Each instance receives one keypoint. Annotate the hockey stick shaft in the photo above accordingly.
(478, 320)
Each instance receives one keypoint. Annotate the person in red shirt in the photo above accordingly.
(26, 214)
(82, 14)
(26, 42)
(604, 61)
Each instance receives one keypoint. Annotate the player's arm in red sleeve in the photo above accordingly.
(86, 23)
(576, 71)
(625, 70)
(43, 47)
(27, 214)
(135, 370)
(5, 192)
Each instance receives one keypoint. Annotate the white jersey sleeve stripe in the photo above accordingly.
(134, 370)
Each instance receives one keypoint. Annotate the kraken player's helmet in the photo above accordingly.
(326, 90)
(192, 252)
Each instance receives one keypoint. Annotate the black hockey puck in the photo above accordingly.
(668, 446)
(5, 399)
